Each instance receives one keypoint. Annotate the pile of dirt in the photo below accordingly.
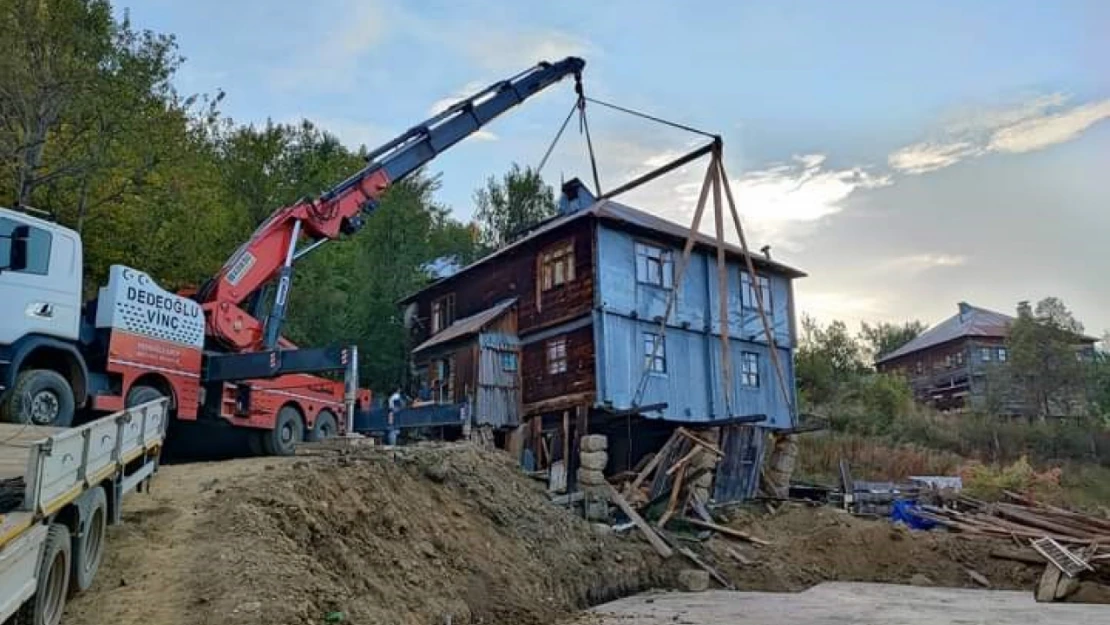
(810, 545)
(369, 536)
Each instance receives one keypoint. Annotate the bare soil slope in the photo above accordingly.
(368, 536)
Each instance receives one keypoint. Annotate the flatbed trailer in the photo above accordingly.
(59, 490)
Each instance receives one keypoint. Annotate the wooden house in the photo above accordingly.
(559, 333)
(948, 366)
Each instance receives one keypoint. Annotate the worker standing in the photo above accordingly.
(396, 402)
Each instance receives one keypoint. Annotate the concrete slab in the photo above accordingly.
(841, 603)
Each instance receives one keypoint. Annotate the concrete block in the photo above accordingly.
(589, 477)
(594, 460)
(693, 580)
(595, 442)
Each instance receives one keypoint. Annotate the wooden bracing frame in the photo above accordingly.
(716, 180)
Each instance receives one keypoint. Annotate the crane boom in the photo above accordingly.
(269, 254)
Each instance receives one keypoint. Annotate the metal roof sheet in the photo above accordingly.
(970, 321)
(615, 212)
(467, 325)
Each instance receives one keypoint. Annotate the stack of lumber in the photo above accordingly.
(1021, 518)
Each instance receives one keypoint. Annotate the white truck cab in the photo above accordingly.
(40, 318)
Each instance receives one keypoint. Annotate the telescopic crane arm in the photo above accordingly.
(269, 254)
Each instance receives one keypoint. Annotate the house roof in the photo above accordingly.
(969, 321)
(467, 325)
(621, 215)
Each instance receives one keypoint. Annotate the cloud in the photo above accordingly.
(1032, 125)
(848, 306)
(923, 157)
(916, 263)
(461, 93)
(1038, 133)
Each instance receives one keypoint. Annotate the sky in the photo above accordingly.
(906, 155)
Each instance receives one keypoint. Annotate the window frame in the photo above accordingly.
(986, 354)
(442, 314)
(550, 260)
(1001, 354)
(37, 264)
(649, 340)
(747, 292)
(509, 357)
(749, 377)
(556, 361)
(647, 255)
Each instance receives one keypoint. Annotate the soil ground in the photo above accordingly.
(419, 534)
(368, 536)
(840, 602)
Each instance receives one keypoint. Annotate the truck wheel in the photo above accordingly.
(288, 431)
(39, 397)
(88, 549)
(326, 427)
(49, 600)
(139, 395)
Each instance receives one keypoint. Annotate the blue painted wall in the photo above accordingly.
(693, 385)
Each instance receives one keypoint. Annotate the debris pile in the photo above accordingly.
(1069, 544)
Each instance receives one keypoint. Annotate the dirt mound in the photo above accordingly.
(370, 536)
(814, 545)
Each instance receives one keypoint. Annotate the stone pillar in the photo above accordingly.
(705, 460)
(783, 455)
(593, 458)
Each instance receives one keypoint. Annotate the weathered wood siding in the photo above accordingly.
(497, 402)
(514, 274)
(539, 385)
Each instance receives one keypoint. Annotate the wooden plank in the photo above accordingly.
(681, 464)
(672, 505)
(705, 444)
(739, 557)
(727, 531)
(1028, 556)
(655, 460)
(660, 546)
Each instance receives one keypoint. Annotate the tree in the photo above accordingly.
(826, 358)
(883, 338)
(82, 98)
(520, 199)
(1043, 363)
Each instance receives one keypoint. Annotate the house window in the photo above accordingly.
(508, 361)
(1002, 353)
(747, 292)
(38, 247)
(948, 361)
(654, 265)
(919, 367)
(557, 265)
(655, 354)
(960, 358)
(443, 312)
(557, 356)
(749, 369)
(985, 354)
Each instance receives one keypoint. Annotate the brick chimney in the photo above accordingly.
(965, 310)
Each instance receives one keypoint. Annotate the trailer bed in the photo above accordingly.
(16, 443)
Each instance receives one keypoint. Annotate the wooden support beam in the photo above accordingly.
(658, 543)
(727, 531)
(659, 455)
(722, 285)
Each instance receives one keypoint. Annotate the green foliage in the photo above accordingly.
(827, 358)
(1043, 366)
(518, 200)
(884, 337)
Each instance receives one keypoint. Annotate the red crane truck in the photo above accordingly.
(218, 353)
